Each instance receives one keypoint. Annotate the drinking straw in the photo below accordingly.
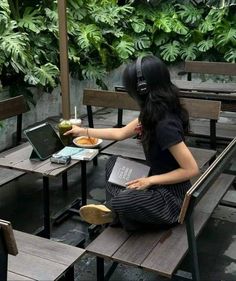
(75, 113)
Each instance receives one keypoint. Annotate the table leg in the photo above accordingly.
(46, 208)
(83, 183)
(64, 181)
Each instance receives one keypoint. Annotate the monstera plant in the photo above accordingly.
(102, 34)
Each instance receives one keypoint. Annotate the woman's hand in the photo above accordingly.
(139, 184)
(76, 131)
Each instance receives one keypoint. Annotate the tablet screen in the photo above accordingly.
(44, 140)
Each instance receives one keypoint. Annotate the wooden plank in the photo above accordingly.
(205, 86)
(47, 249)
(127, 148)
(229, 199)
(12, 107)
(206, 67)
(7, 175)
(11, 276)
(197, 108)
(35, 267)
(211, 199)
(166, 256)
(203, 156)
(107, 243)
(138, 246)
(132, 148)
(111, 99)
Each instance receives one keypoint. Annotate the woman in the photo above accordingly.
(154, 200)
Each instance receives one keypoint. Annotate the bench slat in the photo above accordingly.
(107, 243)
(197, 108)
(35, 267)
(217, 191)
(206, 67)
(11, 276)
(138, 246)
(111, 99)
(36, 246)
(12, 107)
(132, 149)
(166, 256)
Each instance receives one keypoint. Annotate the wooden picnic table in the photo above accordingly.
(18, 158)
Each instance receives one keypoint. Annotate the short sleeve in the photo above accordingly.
(169, 132)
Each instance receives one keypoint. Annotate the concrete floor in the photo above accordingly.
(21, 203)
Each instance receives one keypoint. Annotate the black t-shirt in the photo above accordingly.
(168, 132)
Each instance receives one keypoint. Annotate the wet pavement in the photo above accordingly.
(21, 203)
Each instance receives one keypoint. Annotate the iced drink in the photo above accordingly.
(64, 126)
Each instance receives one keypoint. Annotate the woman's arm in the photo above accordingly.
(187, 170)
(106, 133)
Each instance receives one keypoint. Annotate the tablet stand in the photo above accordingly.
(34, 156)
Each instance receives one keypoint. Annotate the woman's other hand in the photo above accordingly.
(139, 184)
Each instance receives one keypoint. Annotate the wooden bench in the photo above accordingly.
(12, 107)
(34, 258)
(209, 110)
(206, 67)
(162, 251)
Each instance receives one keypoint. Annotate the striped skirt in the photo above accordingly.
(153, 207)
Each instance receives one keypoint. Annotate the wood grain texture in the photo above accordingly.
(12, 107)
(206, 67)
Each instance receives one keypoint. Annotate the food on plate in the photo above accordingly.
(87, 141)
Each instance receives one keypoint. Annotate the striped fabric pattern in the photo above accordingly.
(155, 206)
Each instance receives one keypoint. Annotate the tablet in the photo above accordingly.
(44, 141)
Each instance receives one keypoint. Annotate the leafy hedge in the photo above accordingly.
(103, 34)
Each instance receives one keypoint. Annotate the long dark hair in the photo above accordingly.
(162, 96)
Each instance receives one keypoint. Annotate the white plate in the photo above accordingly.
(86, 145)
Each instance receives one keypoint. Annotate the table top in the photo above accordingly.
(18, 158)
(213, 87)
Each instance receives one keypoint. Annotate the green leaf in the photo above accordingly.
(160, 38)
(205, 45)
(230, 56)
(15, 46)
(4, 12)
(142, 42)
(163, 22)
(45, 74)
(89, 35)
(170, 51)
(189, 52)
(189, 13)
(138, 25)
(124, 47)
(109, 14)
(179, 27)
(32, 20)
(206, 25)
(93, 72)
(225, 36)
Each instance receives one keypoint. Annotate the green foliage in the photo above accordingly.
(103, 34)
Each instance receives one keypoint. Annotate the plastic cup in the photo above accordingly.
(63, 127)
(75, 122)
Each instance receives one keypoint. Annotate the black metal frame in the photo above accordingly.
(3, 258)
(73, 208)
